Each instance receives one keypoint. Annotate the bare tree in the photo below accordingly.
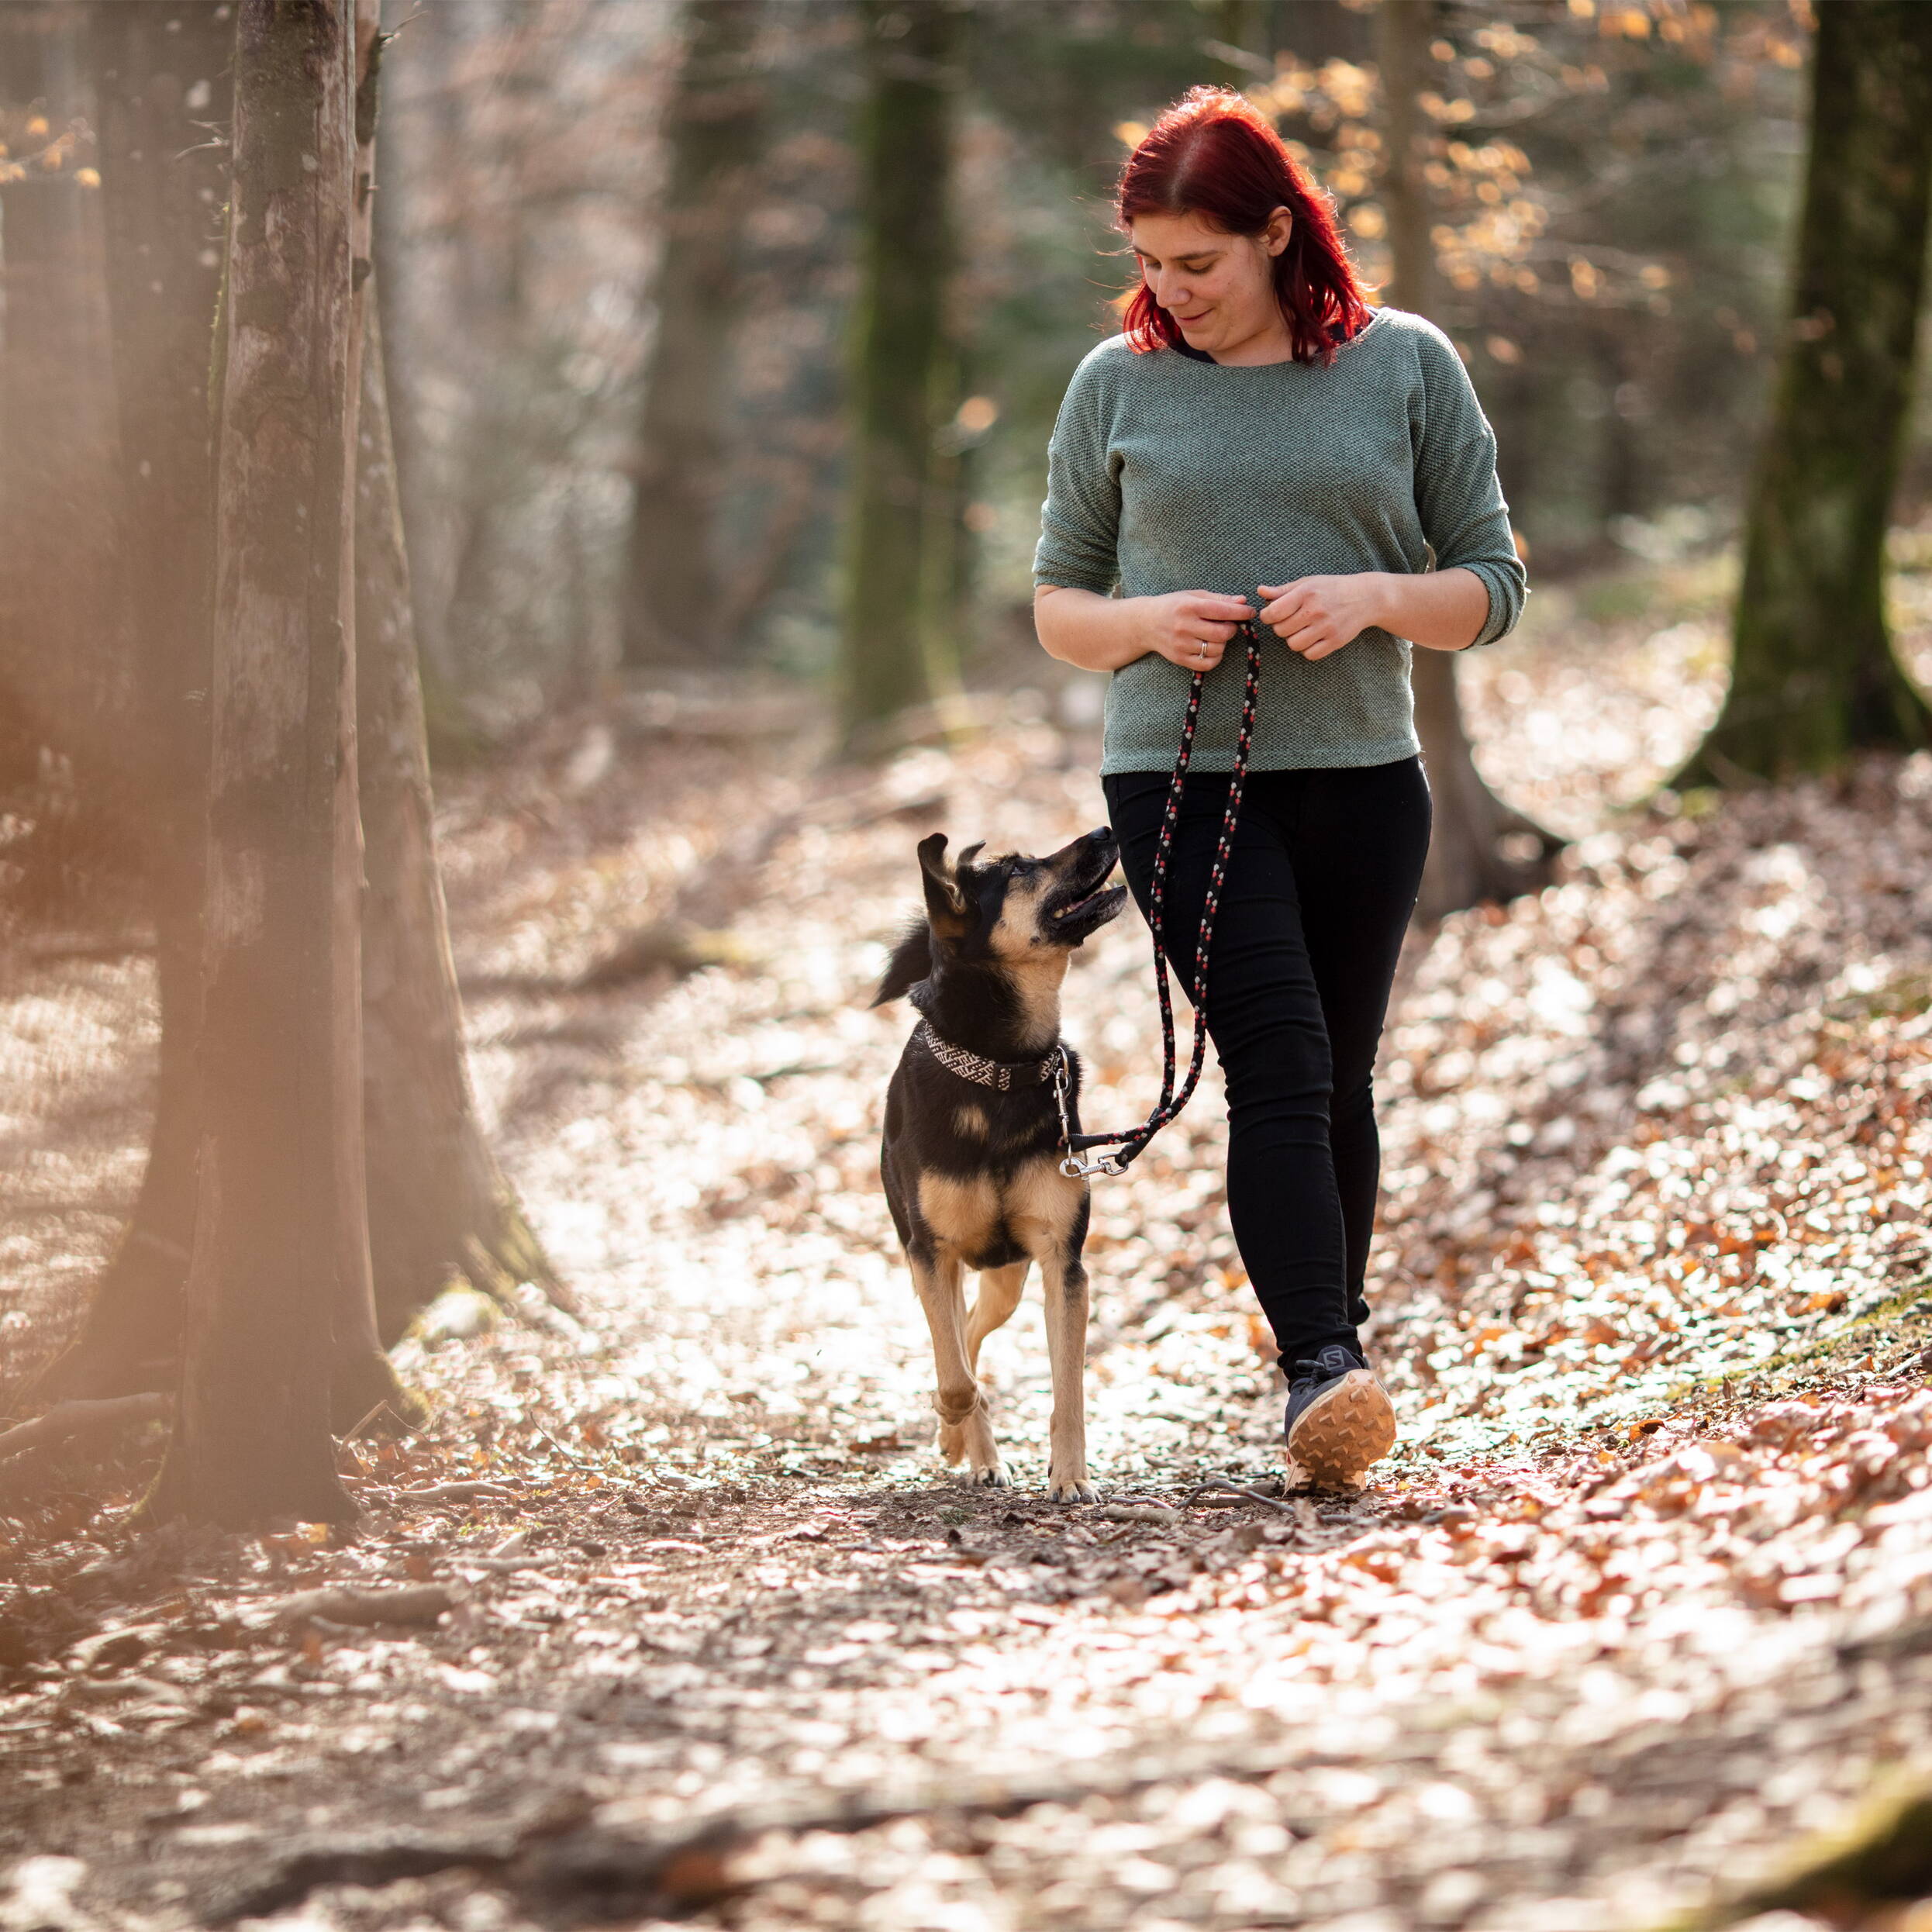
(161, 87)
(898, 647)
(275, 1290)
(438, 1207)
(672, 601)
(1470, 855)
(1813, 675)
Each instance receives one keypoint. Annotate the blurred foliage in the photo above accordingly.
(1613, 195)
(1616, 186)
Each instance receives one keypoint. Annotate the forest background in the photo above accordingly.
(1621, 211)
(689, 369)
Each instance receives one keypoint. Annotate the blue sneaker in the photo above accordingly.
(1340, 1420)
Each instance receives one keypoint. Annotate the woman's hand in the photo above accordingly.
(1317, 615)
(1440, 609)
(1190, 628)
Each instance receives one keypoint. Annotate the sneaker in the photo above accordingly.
(1340, 1418)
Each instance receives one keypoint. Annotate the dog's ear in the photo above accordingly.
(911, 962)
(945, 905)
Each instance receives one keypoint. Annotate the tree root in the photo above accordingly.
(364, 1388)
(454, 1491)
(411, 1603)
(71, 1419)
(22, 1471)
(128, 1339)
(1882, 1855)
(1242, 1491)
(677, 1872)
(371, 1862)
(512, 1256)
(556, 1860)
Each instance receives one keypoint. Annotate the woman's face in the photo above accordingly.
(1217, 287)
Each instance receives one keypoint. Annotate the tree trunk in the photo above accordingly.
(1245, 31)
(1813, 676)
(413, 155)
(272, 1286)
(897, 646)
(1620, 489)
(65, 682)
(672, 599)
(439, 1209)
(946, 553)
(363, 1380)
(1471, 854)
(161, 77)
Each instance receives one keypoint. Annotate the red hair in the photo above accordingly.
(1214, 154)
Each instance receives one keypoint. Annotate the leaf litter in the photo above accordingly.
(670, 1612)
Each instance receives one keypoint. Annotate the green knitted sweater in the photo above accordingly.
(1171, 473)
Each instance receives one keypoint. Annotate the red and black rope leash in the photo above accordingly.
(1133, 1142)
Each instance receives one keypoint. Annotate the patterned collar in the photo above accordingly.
(1001, 1074)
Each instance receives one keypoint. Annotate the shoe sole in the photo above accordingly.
(1344, 1430)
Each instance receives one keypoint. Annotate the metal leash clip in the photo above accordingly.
(1072, 1165)
(1074, 1168)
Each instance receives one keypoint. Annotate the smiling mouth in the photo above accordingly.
(1093, 898)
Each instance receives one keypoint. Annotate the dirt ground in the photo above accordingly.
(678, 1616)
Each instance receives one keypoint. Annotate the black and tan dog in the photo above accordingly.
(972, 1148)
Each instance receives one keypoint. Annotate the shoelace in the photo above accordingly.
(1317, 1372)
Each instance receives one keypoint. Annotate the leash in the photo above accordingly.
(1133, 1142)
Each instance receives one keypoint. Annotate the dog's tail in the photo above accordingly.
(911, 962)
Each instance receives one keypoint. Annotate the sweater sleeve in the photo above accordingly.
(1080, 521)
(1458, 497)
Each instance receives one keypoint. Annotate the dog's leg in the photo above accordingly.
(1066, 1284)
(999, 1292)
(963, 1429)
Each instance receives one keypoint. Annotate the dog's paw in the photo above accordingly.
(989, 1476)
(952, 1440)
(1069, 1489)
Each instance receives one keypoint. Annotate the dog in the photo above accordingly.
(973, 1141)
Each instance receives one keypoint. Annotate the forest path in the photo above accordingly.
(1644, 1593)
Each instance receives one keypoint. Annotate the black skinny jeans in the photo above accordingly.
(1320, 888)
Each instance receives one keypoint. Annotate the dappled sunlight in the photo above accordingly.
(1583, 710)
(474, 747)
(691, 1550)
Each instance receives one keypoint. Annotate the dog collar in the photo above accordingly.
(1003, 1074)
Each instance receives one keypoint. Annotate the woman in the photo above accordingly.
(1259, 441)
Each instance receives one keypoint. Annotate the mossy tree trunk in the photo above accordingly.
(364, 1379)
(673, 598)
(436, 1207)
(1479, 849)
(439, 1210)
(899, 645)
(162, 77)
(1814, 677)
(274, 1286)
